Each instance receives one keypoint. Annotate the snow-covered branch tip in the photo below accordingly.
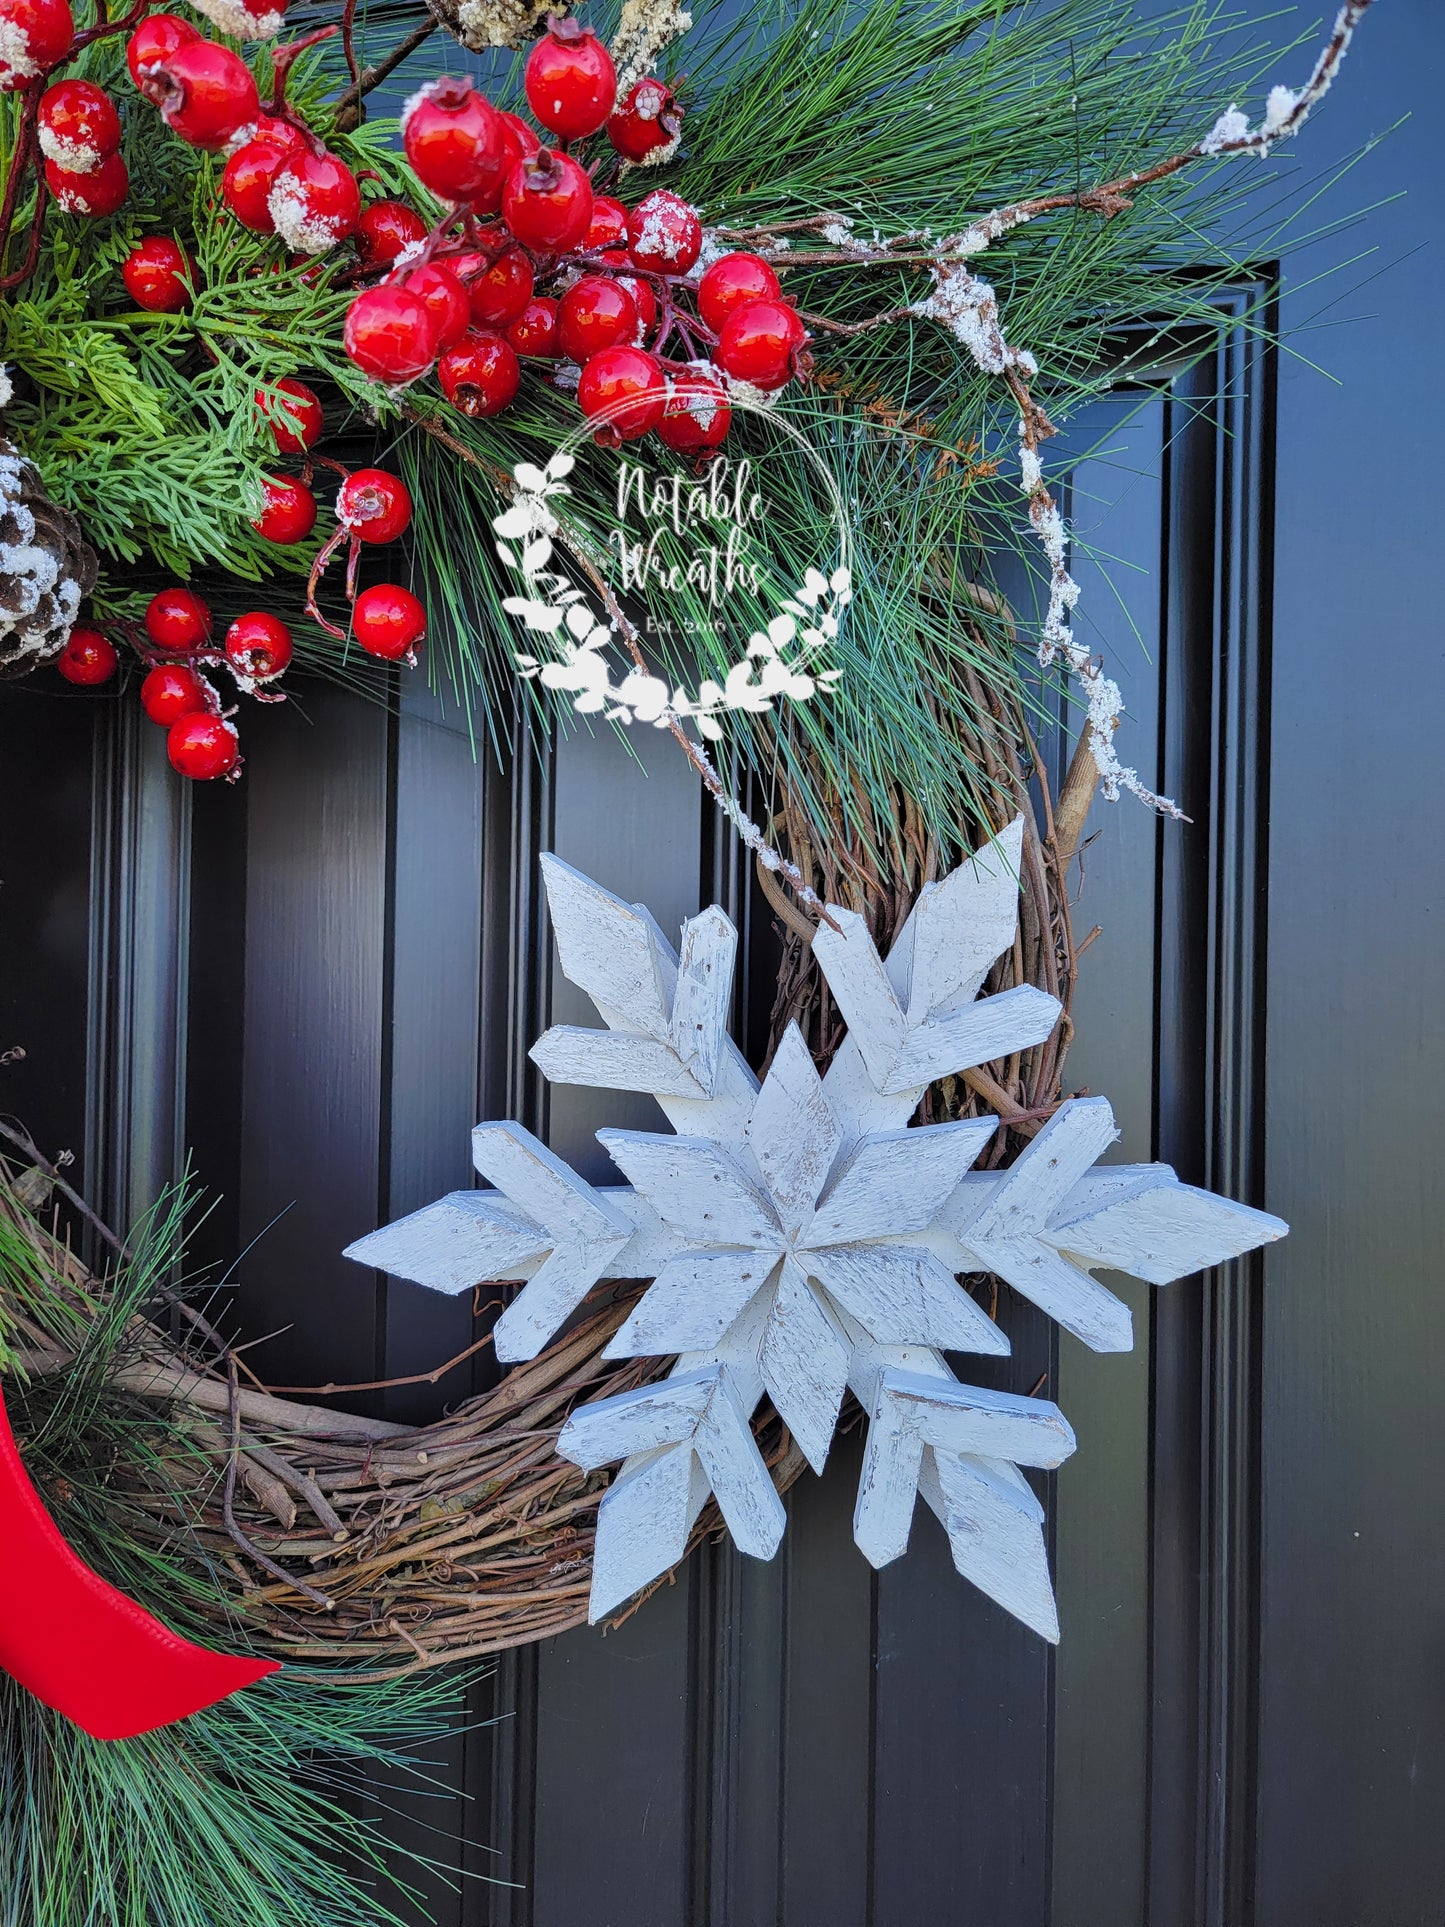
(968, 307)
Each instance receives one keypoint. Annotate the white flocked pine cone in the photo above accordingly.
(46, 566)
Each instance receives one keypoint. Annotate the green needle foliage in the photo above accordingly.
(244, 1814)
(898, 115)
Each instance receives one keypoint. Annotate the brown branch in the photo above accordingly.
(348, 107)
(228, 1503)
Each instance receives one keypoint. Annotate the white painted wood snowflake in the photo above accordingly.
(802, 1239)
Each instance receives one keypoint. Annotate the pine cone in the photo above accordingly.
(46, 566)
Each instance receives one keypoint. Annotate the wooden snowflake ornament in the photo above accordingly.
(803, 1239)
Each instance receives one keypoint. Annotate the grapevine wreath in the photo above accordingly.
(269, 299)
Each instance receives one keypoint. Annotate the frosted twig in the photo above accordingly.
(967, 306)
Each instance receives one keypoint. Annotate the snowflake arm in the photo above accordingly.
(802, 1238)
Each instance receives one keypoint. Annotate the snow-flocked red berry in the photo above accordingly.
(595, 313)
(245, 19)
(453, 139)
(87, 658)
(157, 275)
(761, 343)
(440, 289)
(607, 230)
(500, 292)
(643, 299)
(627, 381)
(547, 202)
(389, 622)
(156, 38)
(77, 125)
(534, 332)
(258, 647)
(386, 230)
(373, 505)
(203, 746)
(664, 234)
(570, 80)
(480, 375)
(731, 282)
(34, 35)
(390, 334)
(248, 179)
(171, 690)
(647, 122)
(296, 420)
(314, 201)
(204, 91)
(288, 510)
(696, 415)
(178, 621)
(97, 193)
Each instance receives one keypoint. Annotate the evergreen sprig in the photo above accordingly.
(245, 1813)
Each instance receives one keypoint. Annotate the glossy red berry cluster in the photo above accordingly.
(533, 264)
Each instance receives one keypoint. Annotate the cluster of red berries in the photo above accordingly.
(470, 298)
(387, 620)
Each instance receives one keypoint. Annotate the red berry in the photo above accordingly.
(534, 332)
(288, 511)
(547, 202)
(570, 80)
(664, 233)
(171, 691)
(99, 192)
(77, 125)
(732, 282)
(391, 334)
(285, 133)
(648, 119)
(440, 289)
(374, 506)
(204, 91)
(527, 138)
(643, 299)
(203, 746)
(86, 658)
(607, 230)
(622, 376)
(258, 647)
(296, 420)
(453, 139)
(760, 343)
(158, 276)
(595, 313)
(500, 293)
(177, 620)
(388, 621)
(480, 375)
(518, 141)
(696, 414)
(247, 182)
(156, 38)
(314, 201)
(387, 229)
(34, 35)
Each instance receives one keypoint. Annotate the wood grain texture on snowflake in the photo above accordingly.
(802, 1238)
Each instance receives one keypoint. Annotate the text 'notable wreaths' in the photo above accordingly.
(784, 657)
